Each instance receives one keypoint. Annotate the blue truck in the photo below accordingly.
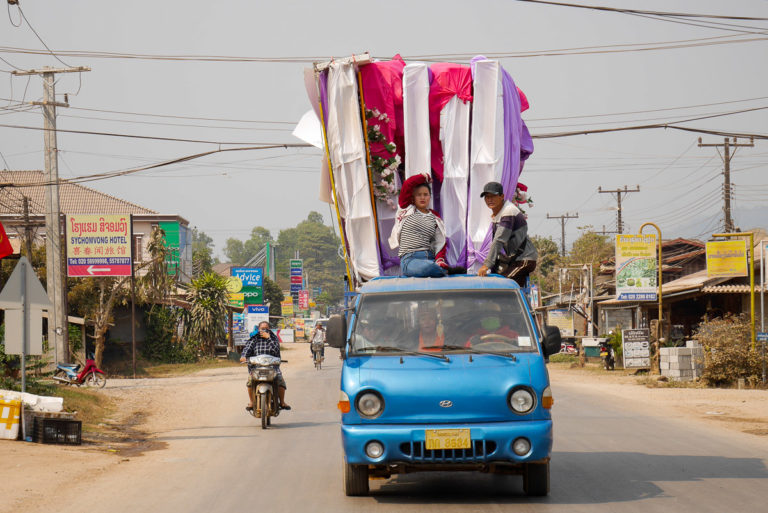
(445, 374)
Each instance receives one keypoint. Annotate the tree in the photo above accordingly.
(545, 275)
(202, 253)
(240, 252)
(273, 295)
(317, 245)
(207, 316)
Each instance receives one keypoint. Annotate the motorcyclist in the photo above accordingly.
(317, 338)
(263, 341)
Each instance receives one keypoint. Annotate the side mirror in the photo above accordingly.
(336, 331)
(552, 340)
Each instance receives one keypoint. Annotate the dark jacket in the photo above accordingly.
(510, 236)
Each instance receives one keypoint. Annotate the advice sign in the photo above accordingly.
(727, 258)
(99, 245)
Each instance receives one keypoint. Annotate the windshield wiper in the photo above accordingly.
(472, 350)
(393, 349)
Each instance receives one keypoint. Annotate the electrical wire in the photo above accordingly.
(18, 5)
(637, 11)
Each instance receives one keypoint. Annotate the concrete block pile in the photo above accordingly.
(682, 363)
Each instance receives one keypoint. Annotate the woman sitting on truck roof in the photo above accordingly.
(419, 232)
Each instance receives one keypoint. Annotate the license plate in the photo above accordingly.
(447, 439)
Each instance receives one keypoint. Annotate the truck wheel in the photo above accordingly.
(536, 479)
(355, 480)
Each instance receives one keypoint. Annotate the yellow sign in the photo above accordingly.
(237, 299)
(287, 307)
(727, 258)
(234, 284)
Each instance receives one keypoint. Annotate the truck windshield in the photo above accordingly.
(477, 321)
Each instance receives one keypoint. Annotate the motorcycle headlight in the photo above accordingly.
(522, 400)
(369, 405)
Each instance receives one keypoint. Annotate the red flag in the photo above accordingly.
(5, 244)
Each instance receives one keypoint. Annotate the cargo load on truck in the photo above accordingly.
(383, 121)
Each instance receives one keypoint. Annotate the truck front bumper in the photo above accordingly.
(404, 444)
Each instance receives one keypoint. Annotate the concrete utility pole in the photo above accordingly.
(727, 156)
(563, 219)
(57, 320)
(618, 193)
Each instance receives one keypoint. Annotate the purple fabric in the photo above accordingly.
(518, 146)
(324, 95)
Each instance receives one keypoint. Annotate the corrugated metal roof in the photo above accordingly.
(735, 288)
(73, 198)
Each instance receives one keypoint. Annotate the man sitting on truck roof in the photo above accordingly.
(512, 253)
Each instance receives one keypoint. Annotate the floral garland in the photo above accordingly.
(521, 198)
(383, 169)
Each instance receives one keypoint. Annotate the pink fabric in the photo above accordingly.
(383, 90)
(448, 80)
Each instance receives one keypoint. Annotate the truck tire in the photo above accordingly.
(536, 479)
(355, 480)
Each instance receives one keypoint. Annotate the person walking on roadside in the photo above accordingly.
(512, 254)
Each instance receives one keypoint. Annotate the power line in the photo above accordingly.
(18, 6)
(637, 11)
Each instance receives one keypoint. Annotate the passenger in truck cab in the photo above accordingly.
(431, 337)
(419, 232)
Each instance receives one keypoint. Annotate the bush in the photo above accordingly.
(563, 358)
(728, 353)
(162, 344)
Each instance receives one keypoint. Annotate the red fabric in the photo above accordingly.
(522, 186)
(5, 244)
(448, 80)
(383, 90)
(523, 100)
(406, 199)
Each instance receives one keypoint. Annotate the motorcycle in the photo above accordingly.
(71, 374)
(264, 383)
(606, 353)
(317, 354)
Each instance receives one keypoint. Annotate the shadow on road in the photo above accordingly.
(575, 479)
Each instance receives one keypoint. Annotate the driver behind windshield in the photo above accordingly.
(431, 337)
(494, 326)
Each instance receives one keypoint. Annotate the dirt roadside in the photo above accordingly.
(154, 405)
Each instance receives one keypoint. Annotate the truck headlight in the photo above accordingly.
(522, 400)
(369, 405)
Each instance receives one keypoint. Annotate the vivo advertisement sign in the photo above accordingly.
(250, 276)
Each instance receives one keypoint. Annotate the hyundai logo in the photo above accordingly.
(446, 404)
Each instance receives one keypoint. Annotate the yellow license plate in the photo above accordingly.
(447, 439)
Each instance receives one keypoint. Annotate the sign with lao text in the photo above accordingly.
(727, 258)
(636, 348)
(636, 271)
(287, 307)
(99, 245)
(249, 276)
(303, 299)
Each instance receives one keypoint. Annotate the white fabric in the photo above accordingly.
(454, 134)
(308, 129)
(416, 119)
(34, 402)
(347, 149)
(487, 150)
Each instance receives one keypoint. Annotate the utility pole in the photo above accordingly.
(618, 193)
(727, 156)
(27, 230)
(606, 232)
(57, 319)
(563, 219)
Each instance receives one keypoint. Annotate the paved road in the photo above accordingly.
(606, 458)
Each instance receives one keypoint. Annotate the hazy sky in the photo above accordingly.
(225, 195)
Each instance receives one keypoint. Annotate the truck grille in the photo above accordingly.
(479, 452)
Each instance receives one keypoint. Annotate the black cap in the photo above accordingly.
(492, 188)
